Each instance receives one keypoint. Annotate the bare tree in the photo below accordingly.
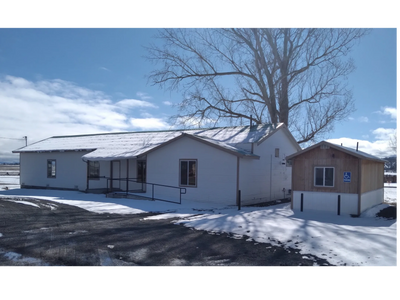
(294, 76)
(393, 142)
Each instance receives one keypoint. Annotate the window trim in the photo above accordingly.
(180, 173)
(323, 178)
(50, 163)
(93, 177)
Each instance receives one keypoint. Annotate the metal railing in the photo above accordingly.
(182, 191)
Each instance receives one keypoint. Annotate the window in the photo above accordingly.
(276, 152)
(94, 169)
(141, 171)
(188, 172)
(324, 176)
(51, 168)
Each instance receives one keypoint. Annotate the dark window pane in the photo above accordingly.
(94, 169)
(319, 176)
(51, 168)
(328, 176)
(192, 173)
(141, 171)
(184, 172)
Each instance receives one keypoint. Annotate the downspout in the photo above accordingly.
(270, 180)
(127, 175)
(87, 175)
(291, 196)
(237, 180)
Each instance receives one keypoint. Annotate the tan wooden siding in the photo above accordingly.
(372, 176)
(303, 170)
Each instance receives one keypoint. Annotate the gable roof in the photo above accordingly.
(109, 146)
(350, 151)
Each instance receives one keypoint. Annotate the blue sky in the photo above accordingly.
(78, 81)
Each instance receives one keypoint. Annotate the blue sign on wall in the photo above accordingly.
(347, 177)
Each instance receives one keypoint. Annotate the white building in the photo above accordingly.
(210, 165)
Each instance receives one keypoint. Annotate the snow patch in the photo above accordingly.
(20, 259)
(23, 202)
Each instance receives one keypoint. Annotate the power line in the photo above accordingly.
(12, 138)
(23, 138)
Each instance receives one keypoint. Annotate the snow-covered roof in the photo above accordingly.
(347, 150)
(124, 145)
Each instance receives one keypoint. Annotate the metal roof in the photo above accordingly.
(347, 150)
(109, 146)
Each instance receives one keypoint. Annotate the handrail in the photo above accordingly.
(182, 191)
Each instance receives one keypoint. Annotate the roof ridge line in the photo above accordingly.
(153, 131)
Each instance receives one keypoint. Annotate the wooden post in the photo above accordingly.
(301, 202)
(127, 176)
(239, 200)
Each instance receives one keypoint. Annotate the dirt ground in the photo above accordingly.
(62, 235)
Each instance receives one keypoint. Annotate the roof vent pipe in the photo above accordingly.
(251, 120)
(357, 147)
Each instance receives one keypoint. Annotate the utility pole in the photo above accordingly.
(26, 140)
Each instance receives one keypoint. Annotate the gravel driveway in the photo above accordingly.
(39, 232)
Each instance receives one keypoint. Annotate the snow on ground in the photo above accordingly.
(390, 184)
(16, 257)
(11, 182)
(341, 240)
(24, 202)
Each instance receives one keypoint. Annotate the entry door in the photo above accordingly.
(115, 174)
(141, 173)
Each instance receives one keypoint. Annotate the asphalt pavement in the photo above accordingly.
(45, 233)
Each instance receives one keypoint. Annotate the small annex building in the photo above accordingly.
(332, 178)
(210, 165)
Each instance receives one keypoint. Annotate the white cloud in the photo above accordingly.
(391, 111)
(56, 107)
(143, 96)
(167, 103)
(146, 115)
(383, 133)
(132, 103)
(380, 147)
(361, 119)
(388, 111)
(104, 68)
(149, 123)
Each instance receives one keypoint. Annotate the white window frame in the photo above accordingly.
(187, 178)
(91, 165)
(323, 177)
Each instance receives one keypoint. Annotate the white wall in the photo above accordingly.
(259, 180)
(70, 170)
(327, 202)
(216, 172)
(371, 199)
